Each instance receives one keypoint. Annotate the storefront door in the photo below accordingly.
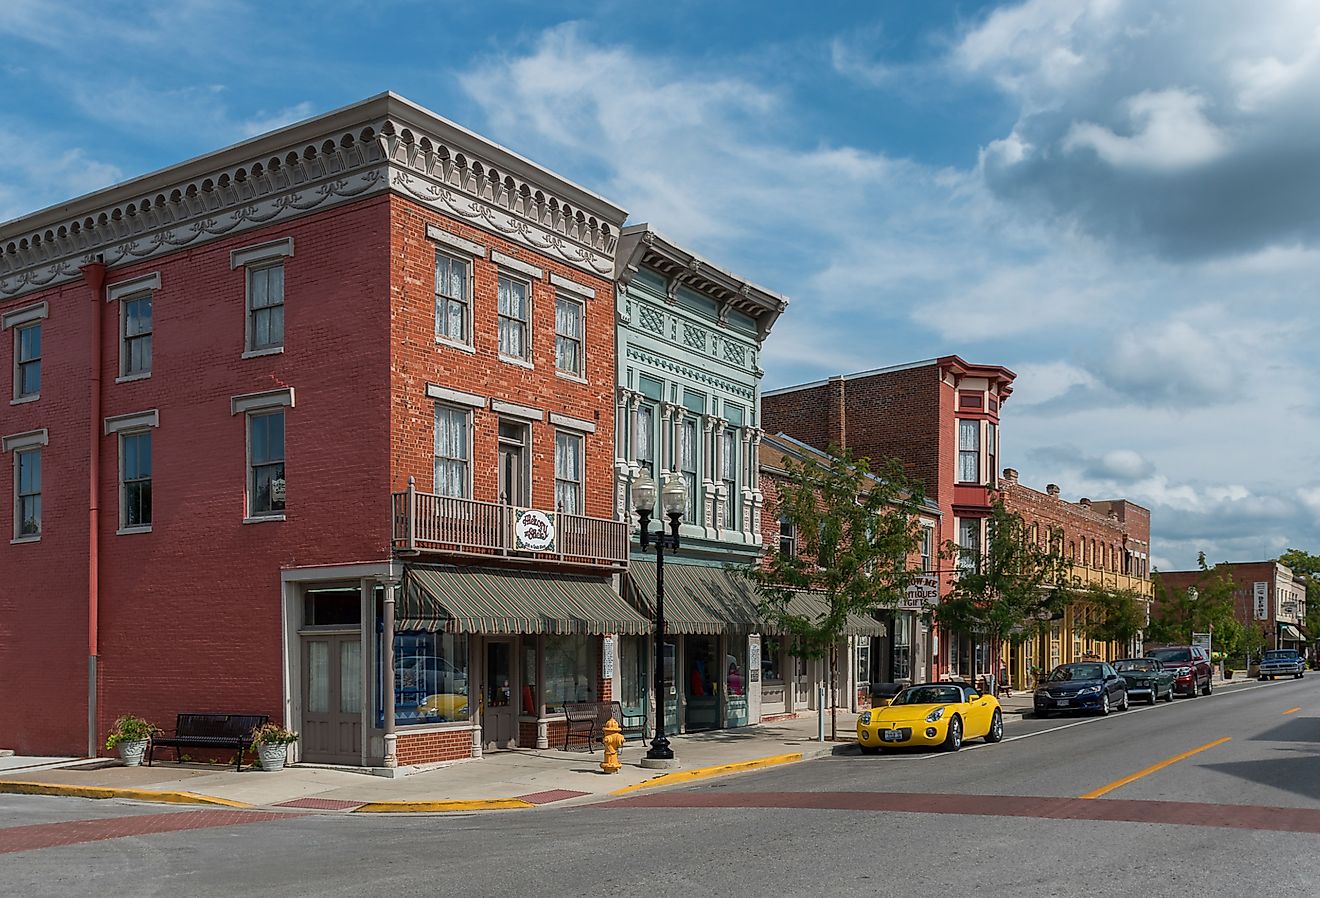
(801, 683)
(332, 698)
(703, 675)
(499, 720)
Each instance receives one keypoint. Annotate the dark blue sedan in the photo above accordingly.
(1086, 686)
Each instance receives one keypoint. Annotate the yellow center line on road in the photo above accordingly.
(1104, 790)
(1292, 711)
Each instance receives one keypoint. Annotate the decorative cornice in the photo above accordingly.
(638, 354)
(382, 144)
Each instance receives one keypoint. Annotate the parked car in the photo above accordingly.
(1146, 677)
(1281, 663)
(931, 714)
(1087, 686)
(1190, 665)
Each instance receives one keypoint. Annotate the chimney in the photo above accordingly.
(1084, 502)
(1010, 475)
(1052, 489)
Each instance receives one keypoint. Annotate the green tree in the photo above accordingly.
(1011, 592)
(1112, 615)
(856, 530)
(1206, 607)
(1306, 569)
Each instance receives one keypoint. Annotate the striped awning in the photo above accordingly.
(705, 599)
(494, 600)
(1291, 633)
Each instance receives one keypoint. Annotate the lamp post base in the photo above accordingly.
(660, 763)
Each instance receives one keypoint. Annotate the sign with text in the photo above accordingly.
(922, 593)
(1260, 592)
(607, 658)
(534, 530)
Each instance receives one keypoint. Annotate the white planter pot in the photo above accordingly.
(131, 753)
(272, 756)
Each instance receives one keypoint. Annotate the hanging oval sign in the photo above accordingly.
(534, 530)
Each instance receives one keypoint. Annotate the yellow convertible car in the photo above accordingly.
(931, 714)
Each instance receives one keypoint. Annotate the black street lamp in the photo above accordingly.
(673, 502)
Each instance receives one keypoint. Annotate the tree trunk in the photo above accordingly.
(834, 680)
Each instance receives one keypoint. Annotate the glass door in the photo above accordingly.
(701, 682)
(500, 720)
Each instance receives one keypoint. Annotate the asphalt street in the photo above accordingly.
(1218, 794)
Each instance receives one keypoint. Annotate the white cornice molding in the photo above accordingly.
(135, 421)
(133, 286)
(251, 402)
(28, 440)
(455, 397)
(25, 315)
(382, 144)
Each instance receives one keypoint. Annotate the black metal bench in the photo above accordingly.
(209, 731)
(588, 719)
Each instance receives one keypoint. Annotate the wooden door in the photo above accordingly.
(332, 698)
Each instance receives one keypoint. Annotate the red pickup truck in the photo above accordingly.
(1190, 666)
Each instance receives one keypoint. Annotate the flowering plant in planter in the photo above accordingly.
(130, 729)
(273, 734)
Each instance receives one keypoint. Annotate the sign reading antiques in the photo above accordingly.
(1260, 593)
(922, 593)
(534, 531)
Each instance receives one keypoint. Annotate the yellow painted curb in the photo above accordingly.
(682, 776)
(434, 807)
(12, 787)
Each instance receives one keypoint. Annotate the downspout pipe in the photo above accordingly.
(94, 276)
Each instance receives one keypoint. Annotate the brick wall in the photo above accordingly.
(1083, 528)
(431, 748)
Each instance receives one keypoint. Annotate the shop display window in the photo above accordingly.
(430, 678)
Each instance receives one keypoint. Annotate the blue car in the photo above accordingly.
(1086, 686)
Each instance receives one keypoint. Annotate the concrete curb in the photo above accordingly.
(443, 807)
(684, 776)
(12, 787)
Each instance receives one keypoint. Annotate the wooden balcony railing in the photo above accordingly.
(1113, 579)
(445, 525)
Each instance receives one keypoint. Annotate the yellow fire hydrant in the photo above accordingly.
(613, 741)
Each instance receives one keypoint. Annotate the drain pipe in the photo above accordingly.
(94, 276)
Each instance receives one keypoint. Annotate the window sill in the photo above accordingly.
(262, 519)
(565, 375)
(514, 360)
(128, 531)
(454, 344)
(23, 400)
(24, 539)
(126, 378)
(258, 353)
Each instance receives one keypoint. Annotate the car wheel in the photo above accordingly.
(1124, 705)
(1169, 697)
(1154, 695)
(1104, 704)
(953, 740)
(870, 749)
(1209, 686)
(1297, 676)
(1262, 678)
(996, 733)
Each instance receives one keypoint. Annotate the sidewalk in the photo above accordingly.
(500, 780)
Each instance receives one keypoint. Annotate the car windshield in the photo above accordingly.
(1167, 655)
(1077, 672)
(1141, 665)
(1281, 655)
(928, 695)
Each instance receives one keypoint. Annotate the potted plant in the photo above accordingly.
(130, 736)
(272, 743)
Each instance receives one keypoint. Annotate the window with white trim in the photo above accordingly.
(645, 454)
(729, 475)
(688, 452)
(27, 361)
(568, 472)
(452, 450)
(787, 537)
(927, 540)
(266, 484)
(265, 300)
(27, 493)
(969, 542)
(135, 480)
(969, 451)
(135, 335)
(568, 335)
(514, 318)
(453, 283)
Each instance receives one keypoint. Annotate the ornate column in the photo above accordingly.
(752, 499)
(715, 498)
(625, 441)
(671, 417)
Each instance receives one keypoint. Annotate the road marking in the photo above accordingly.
(1103, 790)
(1292, 711)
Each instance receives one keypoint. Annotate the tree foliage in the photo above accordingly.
(1111, 615)
(1306, 570)
(855, 531)
(1208, 606)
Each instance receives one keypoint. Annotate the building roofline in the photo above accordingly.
(1004, 376)
(799, 450)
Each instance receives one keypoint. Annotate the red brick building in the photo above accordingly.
(350, 378)
(1106, 541)
(1265, 596)
(940, 417)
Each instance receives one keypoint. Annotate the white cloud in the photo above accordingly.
(1169, 132)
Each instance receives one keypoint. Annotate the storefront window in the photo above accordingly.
(735, 682)
(530, 700)
(902, 646)
(772, 656)
(430, 678)
(570, 670)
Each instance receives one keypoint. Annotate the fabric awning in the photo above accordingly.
(1291, 633)
(703, 599)
(495, 600)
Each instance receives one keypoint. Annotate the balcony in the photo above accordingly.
(445, 525)
(1112, 579)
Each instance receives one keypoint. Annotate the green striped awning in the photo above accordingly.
(493, 600)
(709, 600)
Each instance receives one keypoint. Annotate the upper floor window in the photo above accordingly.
(969, 451)
(992, 452)
(787, 536)
(27, 493)
(687, 459)
(452, 299)
(568, 472)
(645, 452)
(514, 318)
(568, 335)
(27, 361)
(266, 463)
(927, 540)
(135, 333)
(265, 290)
(135, 480)
(969, 544)
(452, 451)
(729, 476)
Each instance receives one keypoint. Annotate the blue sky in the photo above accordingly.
(1115, 198)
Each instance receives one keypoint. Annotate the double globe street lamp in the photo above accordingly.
(673, 502)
